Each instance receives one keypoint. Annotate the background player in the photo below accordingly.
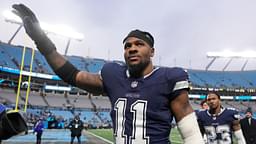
(143, 98)
(219, 123)
(204, 104)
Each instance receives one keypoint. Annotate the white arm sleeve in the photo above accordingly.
(189, 130)
(240, 137)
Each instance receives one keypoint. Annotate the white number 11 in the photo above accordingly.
(138, 108)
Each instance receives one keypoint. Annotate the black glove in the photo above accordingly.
(11, 123)
(33, 29)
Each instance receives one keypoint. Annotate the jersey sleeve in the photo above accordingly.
(105, 70)
(178, 80)
(236, 114)
(110, 73)
(105, 74)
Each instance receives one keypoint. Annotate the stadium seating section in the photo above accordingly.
(11, 58)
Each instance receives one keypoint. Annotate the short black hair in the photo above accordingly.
(202, 102)
(213, 92)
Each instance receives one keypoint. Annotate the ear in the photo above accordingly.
(152, 52)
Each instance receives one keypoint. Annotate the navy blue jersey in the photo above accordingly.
(218, 129)
(141, 107)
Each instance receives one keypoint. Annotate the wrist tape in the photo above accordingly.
(67, 73)
(189, 129)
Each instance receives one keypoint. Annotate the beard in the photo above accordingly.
(137, 70)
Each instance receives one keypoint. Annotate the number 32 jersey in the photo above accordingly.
(141, 107)
(218, 129)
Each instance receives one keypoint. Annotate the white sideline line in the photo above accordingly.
(110, 142)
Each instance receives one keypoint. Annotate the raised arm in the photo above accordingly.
(186, 119)
(60, 65)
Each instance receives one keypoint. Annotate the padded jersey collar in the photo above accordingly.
(155, 69)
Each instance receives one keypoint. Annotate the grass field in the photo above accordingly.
(107, 134)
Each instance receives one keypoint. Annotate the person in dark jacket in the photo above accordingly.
(38, 130)
(76, 127)
(248, 125)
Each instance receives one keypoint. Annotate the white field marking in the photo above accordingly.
(108, 141)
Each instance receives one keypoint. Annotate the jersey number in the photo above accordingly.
(138, 109)
(222, 130)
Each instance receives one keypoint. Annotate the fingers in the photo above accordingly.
(18, 10)
(28, 12)
(23, 11)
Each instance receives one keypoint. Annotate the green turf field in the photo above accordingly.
(107, 134)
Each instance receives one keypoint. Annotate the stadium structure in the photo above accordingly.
(57, 102)
(237, 88)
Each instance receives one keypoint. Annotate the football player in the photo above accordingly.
(144, 98)
(219, 123)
